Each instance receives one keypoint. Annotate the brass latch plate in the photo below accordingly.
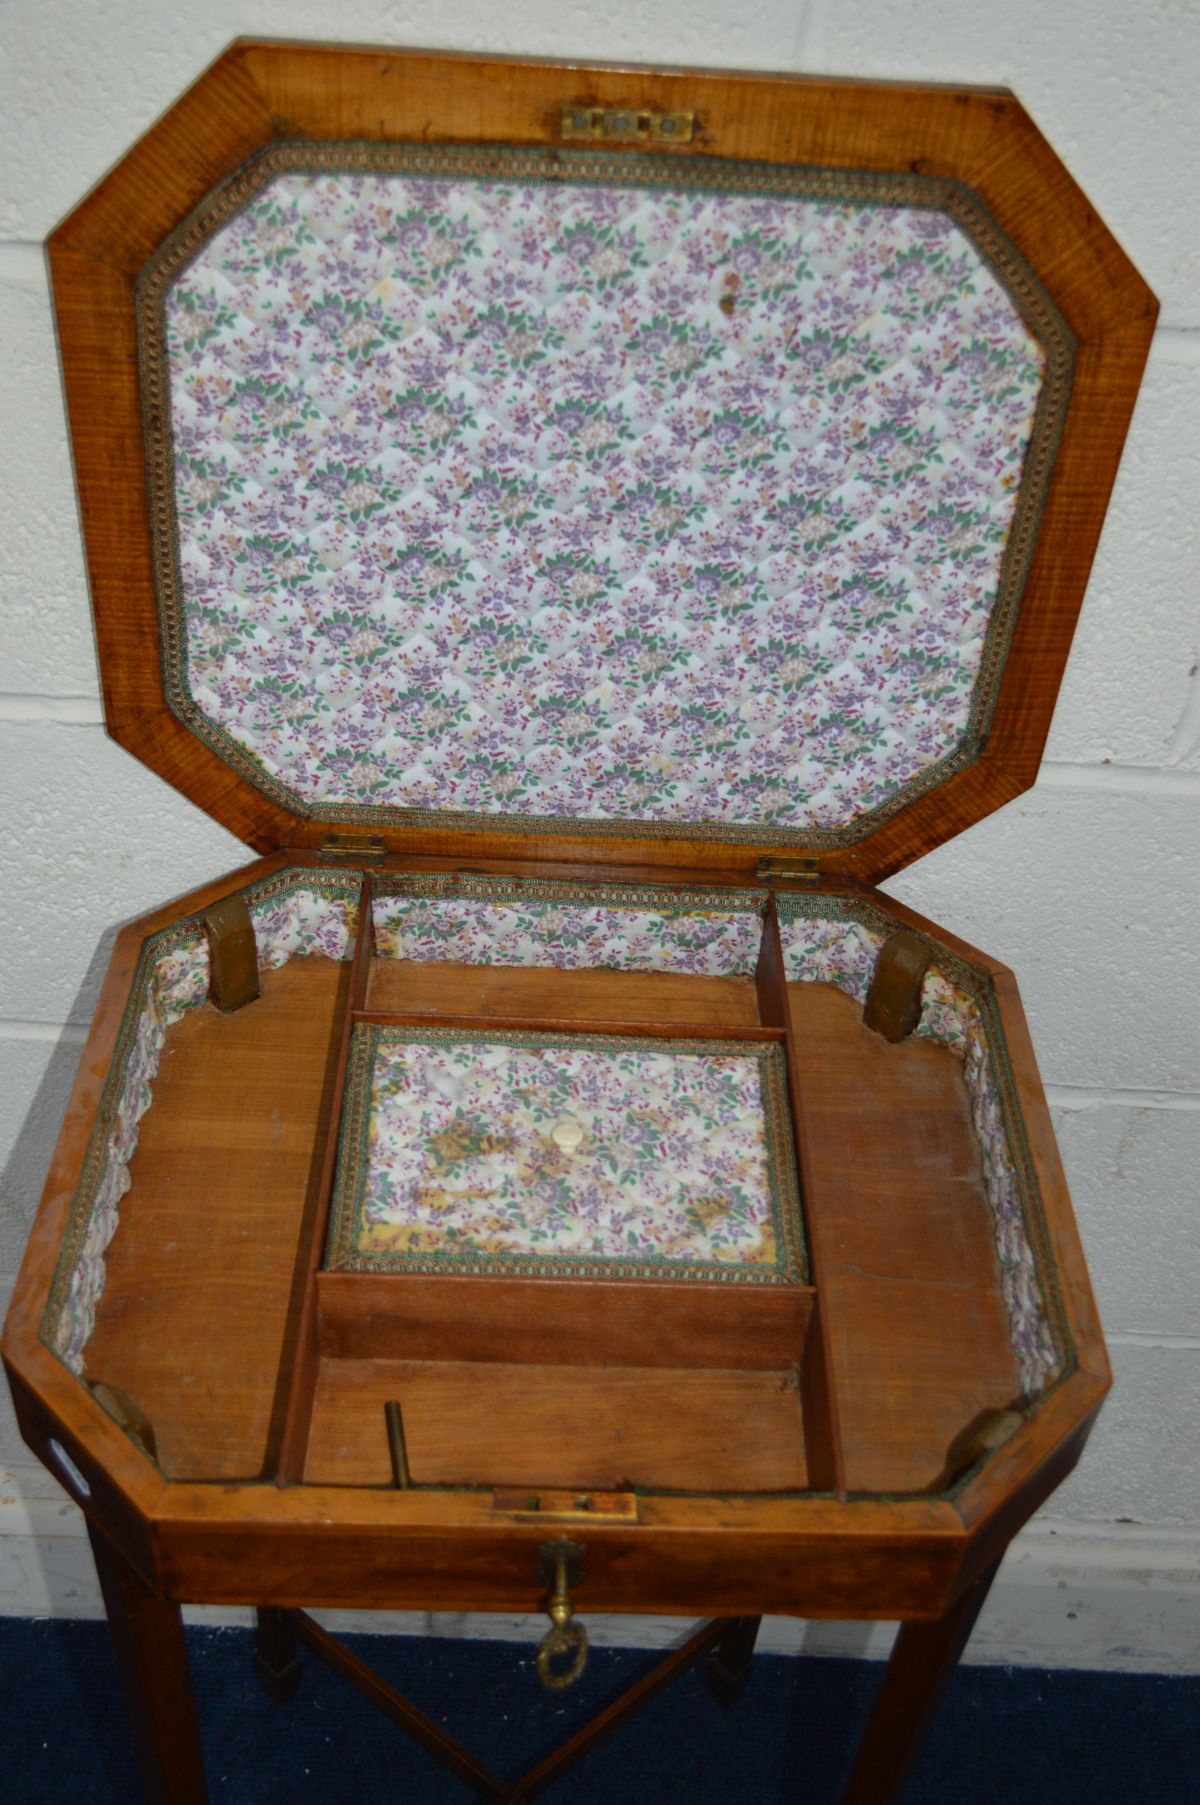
(535, 1504)
(353, 846)
(798, 870)
(629, 125)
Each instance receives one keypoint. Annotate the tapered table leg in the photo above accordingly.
(730, 1662)
(276, 1659)
(147, 1633)
(922, 1661)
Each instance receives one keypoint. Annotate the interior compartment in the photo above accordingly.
(202, 1276)
(497, 1423)
(533, 1152)
(911, 1318)
(640, 998)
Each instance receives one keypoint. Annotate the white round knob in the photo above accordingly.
(566, 1135)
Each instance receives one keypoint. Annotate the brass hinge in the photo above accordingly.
(352, 846)
(799, 870)
(627, 124)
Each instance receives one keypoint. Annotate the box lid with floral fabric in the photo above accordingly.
(588, 495)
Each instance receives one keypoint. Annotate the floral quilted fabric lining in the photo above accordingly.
(477, 922)
(587, 500)
(449, 1161)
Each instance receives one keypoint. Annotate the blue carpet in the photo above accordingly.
(1002, 1735)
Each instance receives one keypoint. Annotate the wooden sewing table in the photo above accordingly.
(730, 1267)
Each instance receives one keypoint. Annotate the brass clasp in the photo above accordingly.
(352, 846)
(561, 1566)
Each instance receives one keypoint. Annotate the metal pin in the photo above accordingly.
(401, 1475)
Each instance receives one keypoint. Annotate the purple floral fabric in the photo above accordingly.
(503, 922)
(951, 1016)
(588, 502)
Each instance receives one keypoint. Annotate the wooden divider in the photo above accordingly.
(302, 1380)
(573, 1322)
(369, 1318)
(819, 1402)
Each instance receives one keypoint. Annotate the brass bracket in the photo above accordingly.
(232, 953)
(800, 869)
(126, 1415)
(625, 125)
(352, 846)
(893, 1005)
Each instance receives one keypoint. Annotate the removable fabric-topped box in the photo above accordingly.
(585, 530)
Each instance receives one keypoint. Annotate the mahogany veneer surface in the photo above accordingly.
(193, 1320)
(596, 1323)
(471, 1423)
(665, 998)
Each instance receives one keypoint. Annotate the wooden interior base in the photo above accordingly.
(198, 1319)
(918, 1335)
(403, 987)
(480, 1423)
(200, 1293)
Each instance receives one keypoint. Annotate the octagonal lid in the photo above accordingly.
(578, 493)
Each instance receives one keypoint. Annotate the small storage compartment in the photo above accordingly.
(774, 1252)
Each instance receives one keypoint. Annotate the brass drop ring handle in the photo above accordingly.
(566, 1635)
(556, 1643)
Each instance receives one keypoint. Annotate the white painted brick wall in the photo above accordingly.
(1087, 887)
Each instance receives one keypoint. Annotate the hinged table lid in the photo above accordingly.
(709, 496)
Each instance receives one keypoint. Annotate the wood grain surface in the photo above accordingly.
(481, 1423)
(581, 1322)
(904, 1259)
(198, 1313)
(645, 998)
